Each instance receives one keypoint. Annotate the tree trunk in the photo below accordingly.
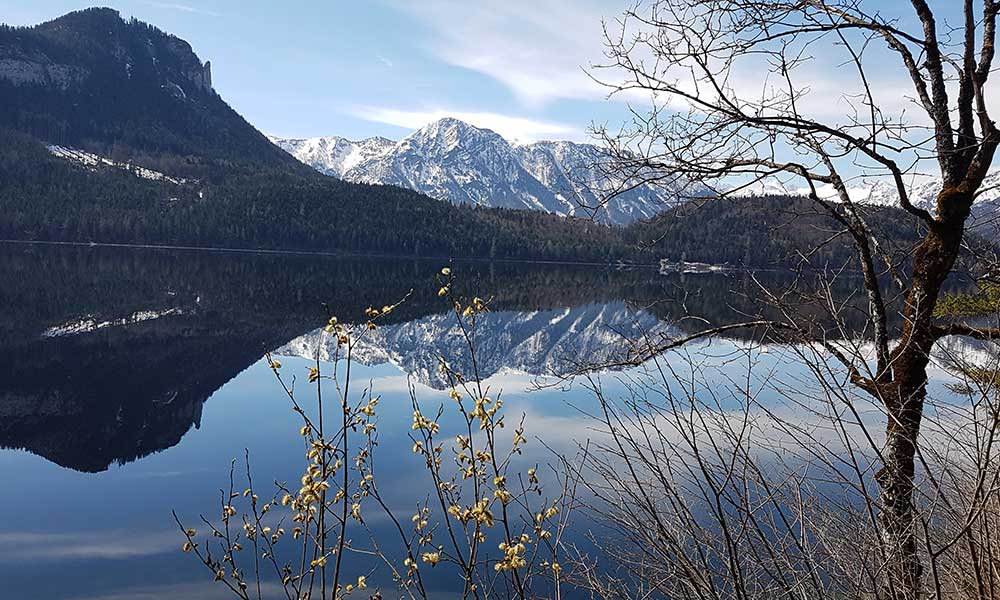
(895, 479)
(905, 393)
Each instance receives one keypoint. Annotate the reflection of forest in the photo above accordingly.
(119, 382)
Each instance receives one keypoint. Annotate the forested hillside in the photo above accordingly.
(130, 93)
(766, 230)
(48, 198)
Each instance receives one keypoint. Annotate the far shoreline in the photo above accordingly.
(325, 254)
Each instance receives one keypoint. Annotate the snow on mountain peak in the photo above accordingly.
(875, 191)
(452, 160)
(334, 155)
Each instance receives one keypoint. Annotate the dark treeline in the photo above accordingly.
(769, 230)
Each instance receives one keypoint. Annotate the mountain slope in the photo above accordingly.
(924, 195)
(334, 155)
(124, 89)
(451, 160)
(574, 172)
(111, 132)
(455, 161)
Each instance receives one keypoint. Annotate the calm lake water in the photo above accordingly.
(130, 378)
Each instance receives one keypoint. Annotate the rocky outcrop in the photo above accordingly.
(205, 77)
(191, 66)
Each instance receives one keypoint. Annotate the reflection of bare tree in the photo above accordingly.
(736, 476)
(730, 83)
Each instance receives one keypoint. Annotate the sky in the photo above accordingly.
(387, 67)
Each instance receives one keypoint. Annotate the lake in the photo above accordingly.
(131, 378)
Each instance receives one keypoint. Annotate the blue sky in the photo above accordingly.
(386, 67)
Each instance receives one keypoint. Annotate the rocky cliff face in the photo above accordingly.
(128, 91)
(66, 52)
(198, 74)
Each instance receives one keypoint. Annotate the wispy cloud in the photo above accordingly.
(537, 48)
(185, 8)
(85, 545)
(204, 590)
(543, 50)
(385, 61)
(510, 127)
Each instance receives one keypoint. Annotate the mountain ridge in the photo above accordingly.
(122, 140)
(455, 161)
(452, 160)
(883, 193)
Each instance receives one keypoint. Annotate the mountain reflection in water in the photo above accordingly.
(111, 353)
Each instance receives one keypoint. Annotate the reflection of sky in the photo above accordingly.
(111, 535)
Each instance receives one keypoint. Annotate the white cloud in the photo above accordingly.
(118, 544)
(202, 589)
(185, 8)
(542, 51)
(510, 127)
(537, 48)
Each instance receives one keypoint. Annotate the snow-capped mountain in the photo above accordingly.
(452, 160)
(882, 192)
(539, 343)
(924, 194)
(334, 155)
(574, 171)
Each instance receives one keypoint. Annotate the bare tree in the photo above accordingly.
(730, 83)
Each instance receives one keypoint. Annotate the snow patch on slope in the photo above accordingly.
(89, 324)
(93, 161)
